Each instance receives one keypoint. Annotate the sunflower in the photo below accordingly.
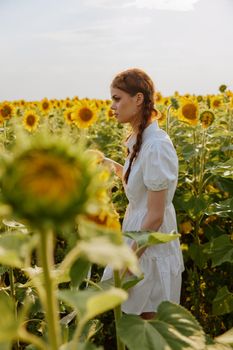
(6, 110)
(109, 114)
(216, 102)
(166, 101)
(222, 88)
(67, 103)
(84, 114)
(162, 116)
(22, 103)
(185, 227)
(45, 106)
(48, 182)
(68, 116)
(57, 104)
(188, 111)
(30, 121)
(108, 219)
(231, 102)
(206, 118)
(158, 98)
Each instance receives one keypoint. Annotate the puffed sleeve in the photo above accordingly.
(159, 165)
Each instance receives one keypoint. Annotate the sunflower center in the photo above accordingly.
(49, 178)
(31, 120)
(85, 114)
(189, 111)
(45, 105)
(207, 118)
(69, 116)
(110, 113)
(6, 111)
(216, 103)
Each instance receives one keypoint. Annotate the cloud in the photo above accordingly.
(104, 31)
(172, 5)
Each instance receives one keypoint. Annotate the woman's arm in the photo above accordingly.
(155, 212)
(117, 168)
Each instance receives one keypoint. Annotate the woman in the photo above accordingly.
(149, 177)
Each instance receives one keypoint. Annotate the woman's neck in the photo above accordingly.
(135, 125)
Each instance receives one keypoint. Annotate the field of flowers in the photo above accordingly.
(61, 211)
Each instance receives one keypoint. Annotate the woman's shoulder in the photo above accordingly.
(159, 140)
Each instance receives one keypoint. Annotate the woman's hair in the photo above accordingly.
(132, 81)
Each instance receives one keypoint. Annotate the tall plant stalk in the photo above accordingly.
(168, 119)
(202, 162)
(195, 161)
(117, 311)
(49, 301)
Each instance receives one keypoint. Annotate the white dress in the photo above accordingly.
(154, 169)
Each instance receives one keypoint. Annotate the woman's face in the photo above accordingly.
(125, 107)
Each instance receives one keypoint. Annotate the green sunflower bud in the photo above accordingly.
(49, 182)
(175, 103)
(222, 88)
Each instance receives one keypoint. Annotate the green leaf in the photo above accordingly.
(193, 206)
(36, 274)
(226, 338)
(15, 247)
(138, 334)
(174, 328)
(151, 238)
(8, 325)
(92, 327)
(88, 230)
(79, 271)
(102, 251)
(80, 346)
(3, 269)
(158, 238)
(223, 302)
(225, 185)
(195, 251)
(68, 318)
(131, 281)
(224, 169)
(222, 209)
(15, 225)
(5, 346)
(188, 151)
(88, 346)
(217, 346)
(91, 303)
(220, 250)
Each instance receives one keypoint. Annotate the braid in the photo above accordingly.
(137, 145)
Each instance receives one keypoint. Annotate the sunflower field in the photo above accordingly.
(61, 210)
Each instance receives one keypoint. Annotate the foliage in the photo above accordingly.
(201, 129)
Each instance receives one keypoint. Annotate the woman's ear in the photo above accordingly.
(139, 98)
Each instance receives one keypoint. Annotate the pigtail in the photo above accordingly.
(137, 146)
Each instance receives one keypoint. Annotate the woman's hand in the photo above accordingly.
(114, 166)
(97, 154)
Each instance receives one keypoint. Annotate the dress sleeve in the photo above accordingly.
(159, 166)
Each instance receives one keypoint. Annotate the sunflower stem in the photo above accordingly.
(117, 311)
(50, 301)
(202, 162)
(168, 119)
(195, 162)
(13, 296)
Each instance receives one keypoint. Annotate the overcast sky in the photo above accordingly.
(61, 48)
